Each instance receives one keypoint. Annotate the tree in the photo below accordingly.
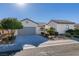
(51, 31)
(11, 24)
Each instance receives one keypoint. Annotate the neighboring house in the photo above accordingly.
(32, 28)
(41, 26)
(61, 25)
(29, 27)
(76, 26)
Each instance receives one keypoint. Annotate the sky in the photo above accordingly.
(42, 12)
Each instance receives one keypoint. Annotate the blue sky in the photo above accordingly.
(41, 12)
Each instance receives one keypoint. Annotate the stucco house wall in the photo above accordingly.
(29, 23)
(61, 27)
(53, 24)
(76, 26)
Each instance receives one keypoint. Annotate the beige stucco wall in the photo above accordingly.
(27, 23)
(61, 28)
(47, 26)
(53, 24)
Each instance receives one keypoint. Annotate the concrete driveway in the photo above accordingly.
(67, 47)
(45, 47)
(20, 41)
(34, 40)
(53, 50)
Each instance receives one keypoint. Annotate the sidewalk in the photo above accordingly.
(51, 43)
(57, 42)
(58, 47)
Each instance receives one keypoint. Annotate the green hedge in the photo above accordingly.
(71, 32)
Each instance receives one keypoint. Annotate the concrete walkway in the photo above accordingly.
(50, 48)
(51, 43)
(57, 42)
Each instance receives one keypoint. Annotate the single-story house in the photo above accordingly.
(41, 26)
(32, 28)
(61, 25)
(29, 27)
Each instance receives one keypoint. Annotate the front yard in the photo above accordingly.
(52, 34)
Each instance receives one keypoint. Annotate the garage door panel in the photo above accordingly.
(27, 31)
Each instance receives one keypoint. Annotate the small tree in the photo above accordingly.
(11, 24)
(51, 31)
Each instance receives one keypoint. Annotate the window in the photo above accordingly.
(67, 27)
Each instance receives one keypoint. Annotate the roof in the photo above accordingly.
(62, 22)
(76, 24)
(29, 20)
(41, 23)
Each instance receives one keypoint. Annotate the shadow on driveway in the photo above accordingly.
(74, 38)
(35, 40)
(20, 41)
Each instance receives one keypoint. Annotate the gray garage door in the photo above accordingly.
(27, 31)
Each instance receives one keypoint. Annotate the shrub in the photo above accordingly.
(77, 36)
(67, 34)
(76, 32)
(51, 31)
(56, 34)
(42, 33)
(70, 31)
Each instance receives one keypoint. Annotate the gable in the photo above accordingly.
(62, 21)
(29, 23)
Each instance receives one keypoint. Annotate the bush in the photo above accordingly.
(67, 34)
(42, 33)
(46, 35)
(76, 32)
(77, 36)
(51, 31)
(56, 34)
(70, 31)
